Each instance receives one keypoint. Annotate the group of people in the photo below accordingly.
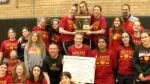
(122, 52)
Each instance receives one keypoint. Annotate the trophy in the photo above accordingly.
(82, 23)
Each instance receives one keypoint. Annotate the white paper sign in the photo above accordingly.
(82, 69)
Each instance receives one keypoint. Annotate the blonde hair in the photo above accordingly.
(24, 76)
(39, 42)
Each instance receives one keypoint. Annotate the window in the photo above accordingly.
(4, 1)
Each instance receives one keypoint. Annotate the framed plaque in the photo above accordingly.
(82, 23)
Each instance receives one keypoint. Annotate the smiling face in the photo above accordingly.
(125, 11)
(11, 34)
(55, 25)
(116, 22)
(73, 11)
(53, 50)
(145, 38)
(136, 26)
(96, 11)
(19, 70)
(125, 38)
(3, 69)
(25, 33)
(78, 39)
(43, 22)
(83, 8)
(34, 37)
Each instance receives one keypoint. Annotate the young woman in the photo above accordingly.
(137, 28)
(98, 24)
(4, 77)
(22, 42)
(78, 48)
(20, 74)
(84, 11)
(105, 63)
(125, 60)
(114, 34)
(54, 33)
(83, 8)
(12, 62)
(67, 28)
(34, 51)
(142, 59)
(42, 31)
(8, 45)
(37, 76)
(66, 78)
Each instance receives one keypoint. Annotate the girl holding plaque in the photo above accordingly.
(67, 27)
(98, 25)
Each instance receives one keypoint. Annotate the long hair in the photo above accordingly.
(52, 30)
(24, 28)
(76, 6)
(120, 28)
(131, 43)
(4, 63)
(41, 76)
(12, 29)
(83, 2)
(24, 76)
(39, 42)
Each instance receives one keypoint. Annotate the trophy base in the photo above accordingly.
(82, 31)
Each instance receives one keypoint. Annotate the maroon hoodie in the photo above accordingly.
(105, 66)
(126, 61)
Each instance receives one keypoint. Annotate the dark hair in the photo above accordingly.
(100, 8)
(41, 76)
(83, 2)
(26, 28)
(102, 37)
(76, 6)
(121, 28)
(131, 43)
(24, 75)
(146, 31)
(68, 74)
(51, 30)
(126, 5)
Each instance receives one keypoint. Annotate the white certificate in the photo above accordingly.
(82, 69)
